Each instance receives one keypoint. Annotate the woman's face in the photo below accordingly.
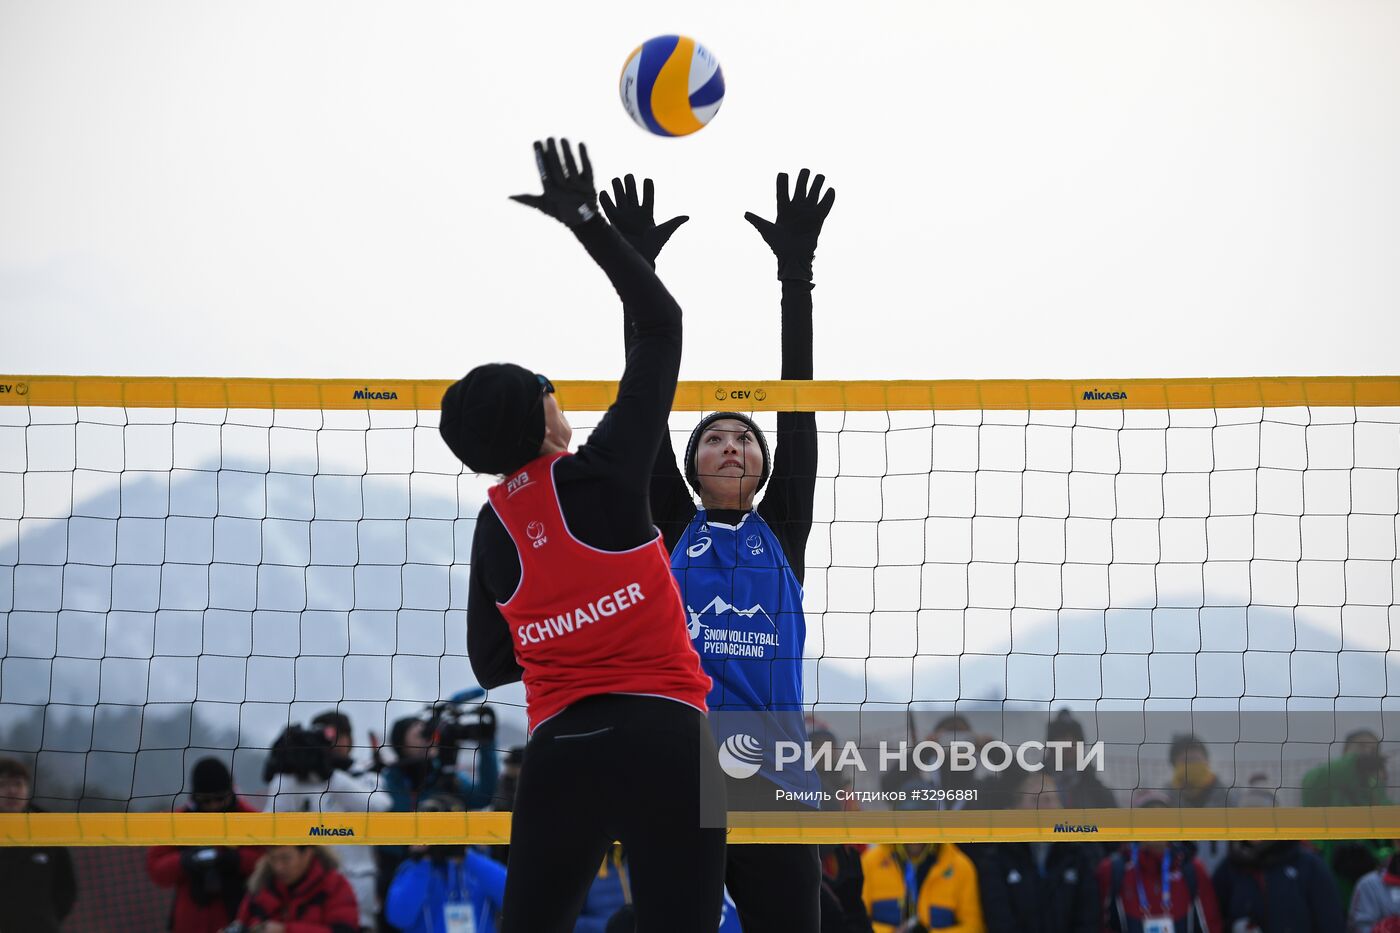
(557, 430)
(289, 863)
(728, 462)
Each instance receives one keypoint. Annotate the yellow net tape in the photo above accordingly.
(201, 829)
(937, 395)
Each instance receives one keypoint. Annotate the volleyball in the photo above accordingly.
(671, 86)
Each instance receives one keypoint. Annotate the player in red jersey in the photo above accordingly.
(571, 592)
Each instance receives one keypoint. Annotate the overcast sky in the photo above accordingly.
(1025, 189)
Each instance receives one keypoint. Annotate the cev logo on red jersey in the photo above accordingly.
(535, 532)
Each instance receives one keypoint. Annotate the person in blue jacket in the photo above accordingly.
(439, 885)
(608, 907)
(740, 564)
(608, 894)
(1277, 887)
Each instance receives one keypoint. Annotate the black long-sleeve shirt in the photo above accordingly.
(37, 889)
(603, 488)
(792, 482)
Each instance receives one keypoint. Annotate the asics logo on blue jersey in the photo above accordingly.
(699, 547)
(740, 756)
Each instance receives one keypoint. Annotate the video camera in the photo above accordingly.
(448, 724)
(303, 753)
(459, 719)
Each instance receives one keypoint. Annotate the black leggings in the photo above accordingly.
(777, 888)
(619, 767)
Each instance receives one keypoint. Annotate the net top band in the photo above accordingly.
(817, 395)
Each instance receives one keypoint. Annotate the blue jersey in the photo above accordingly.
(744, 615)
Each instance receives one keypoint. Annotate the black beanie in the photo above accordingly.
(692, 447)
(493, 418)
(210, 776)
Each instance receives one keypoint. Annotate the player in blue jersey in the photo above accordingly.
(741, 567)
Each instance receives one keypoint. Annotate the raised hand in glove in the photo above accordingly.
(793, 236)
(568, 190)
(633, 218)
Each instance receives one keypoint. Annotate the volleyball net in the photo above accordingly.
(1197, 578)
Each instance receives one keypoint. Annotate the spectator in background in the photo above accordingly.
(1037, 887)
(209, 882)
(1273, 887)
(297, 889)
(608, 905)
(1078, 790)
(337, 725)
(963, 784)
(915, 885)
(1195, 783)
(37, 885)
(445, 889)
(610, 892)
(504, 800)
(1354, 779)
(1375, 904)
(307, 772)
(843, 890)
(416, 770)
(1156, 881)
(1259, 791)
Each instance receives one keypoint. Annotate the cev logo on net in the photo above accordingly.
(757, 395)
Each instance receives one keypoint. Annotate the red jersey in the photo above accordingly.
(585, 621)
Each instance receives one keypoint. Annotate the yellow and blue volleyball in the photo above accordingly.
(671, 85)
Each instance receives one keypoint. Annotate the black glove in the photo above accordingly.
(793, 236)
(633, 218)
(568, 193)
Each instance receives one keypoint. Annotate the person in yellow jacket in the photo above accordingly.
(921, 886)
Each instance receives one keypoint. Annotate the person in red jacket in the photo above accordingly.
(209, 882)
(1151, 886)
(297, 889)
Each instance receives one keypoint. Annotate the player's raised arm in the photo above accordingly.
(793, 236)
(633, 216)
(627, 437)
